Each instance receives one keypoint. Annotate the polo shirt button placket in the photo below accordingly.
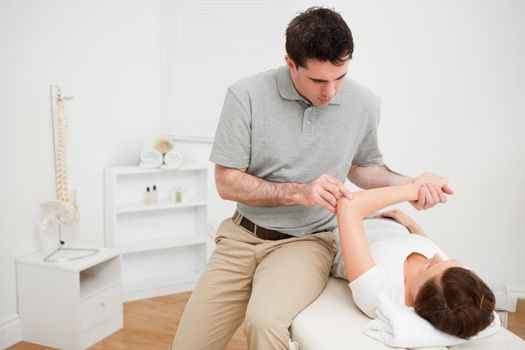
(307, 119)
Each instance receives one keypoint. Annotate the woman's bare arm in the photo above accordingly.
(351, 213)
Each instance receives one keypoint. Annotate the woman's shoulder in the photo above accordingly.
(365, 288)
(379, 229)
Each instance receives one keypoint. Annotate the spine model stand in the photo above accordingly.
(63, 210)
(69, 203)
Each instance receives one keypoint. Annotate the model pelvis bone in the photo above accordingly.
(55, 212)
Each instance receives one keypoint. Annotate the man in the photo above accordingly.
(285, 142)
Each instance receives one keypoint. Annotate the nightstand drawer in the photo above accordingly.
(101, 307)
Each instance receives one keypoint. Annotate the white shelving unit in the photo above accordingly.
(163, 245)
(71, 304)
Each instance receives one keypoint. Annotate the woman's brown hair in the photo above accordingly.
(458, 303)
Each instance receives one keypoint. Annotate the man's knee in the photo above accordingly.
(266, 323)
(256, 323)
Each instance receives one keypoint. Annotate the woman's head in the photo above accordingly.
(432, 269)
(456, 302)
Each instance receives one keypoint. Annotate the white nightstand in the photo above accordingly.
(71, 304)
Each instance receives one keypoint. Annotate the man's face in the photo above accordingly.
(318, 81)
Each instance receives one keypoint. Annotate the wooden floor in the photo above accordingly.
(148, 324)
(516, 322)
(151, 323)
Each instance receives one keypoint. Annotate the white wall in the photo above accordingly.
(106, 54)
(452, 82)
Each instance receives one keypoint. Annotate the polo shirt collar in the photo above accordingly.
(287, 89)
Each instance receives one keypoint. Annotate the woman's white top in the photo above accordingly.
(390, 244)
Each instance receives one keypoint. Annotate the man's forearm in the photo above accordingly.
(239, 186)
(376, 176)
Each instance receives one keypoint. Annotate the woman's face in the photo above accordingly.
(433, 268)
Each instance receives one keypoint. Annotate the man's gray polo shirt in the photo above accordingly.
(267, 128)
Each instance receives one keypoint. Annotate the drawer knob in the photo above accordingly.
(102, 304)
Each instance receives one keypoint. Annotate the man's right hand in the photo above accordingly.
(324, 191)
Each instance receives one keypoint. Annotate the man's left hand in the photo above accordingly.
(430, 195)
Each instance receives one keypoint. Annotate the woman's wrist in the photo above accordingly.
(412, 190)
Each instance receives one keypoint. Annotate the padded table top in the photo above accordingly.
(333, 322)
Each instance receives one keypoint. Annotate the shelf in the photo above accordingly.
(130, 170)
(165, 204)
(92, 284)
(99, 277)
(161, 243)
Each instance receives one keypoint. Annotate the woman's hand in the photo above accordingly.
(433, 179)
(403, 219)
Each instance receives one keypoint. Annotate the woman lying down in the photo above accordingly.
(407, 266)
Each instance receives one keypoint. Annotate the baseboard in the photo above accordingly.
(514, 295)
(10, 332)
(158, 291)
(518, 292)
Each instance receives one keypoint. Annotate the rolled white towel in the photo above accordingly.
(173, 160)
(150, 158)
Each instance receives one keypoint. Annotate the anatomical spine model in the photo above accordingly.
(63, 210)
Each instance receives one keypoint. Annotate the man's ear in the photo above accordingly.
(290, 63)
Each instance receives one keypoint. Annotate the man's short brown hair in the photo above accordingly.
(321, 34)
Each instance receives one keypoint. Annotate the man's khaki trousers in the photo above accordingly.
(265, 283)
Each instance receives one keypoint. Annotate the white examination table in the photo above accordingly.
(333, 322)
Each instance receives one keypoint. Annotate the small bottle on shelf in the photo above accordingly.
(173, 194)
(147, 197)
(154, 195)
(178, 194)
